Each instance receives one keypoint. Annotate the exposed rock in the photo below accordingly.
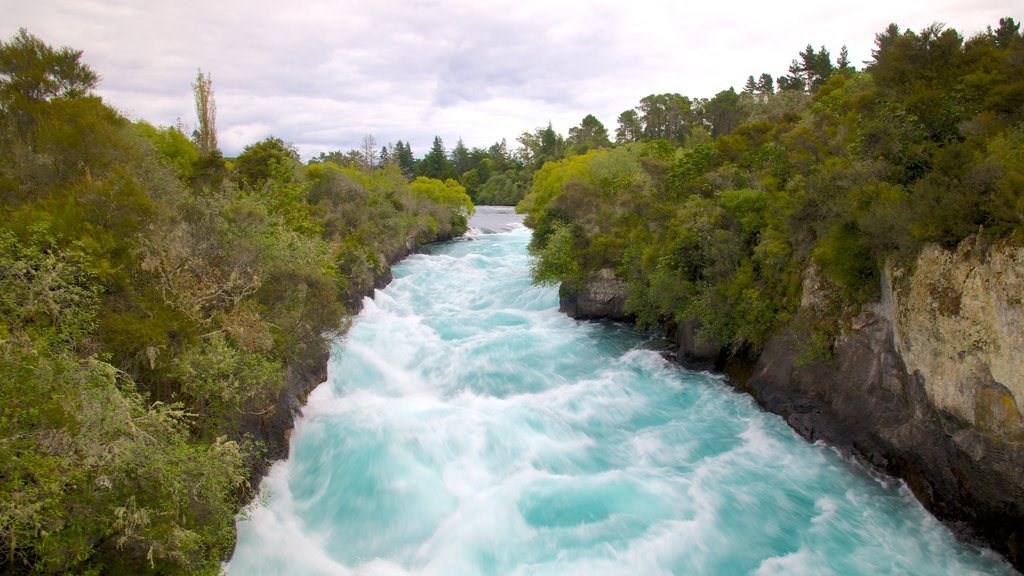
(274, 428)
(925, 385)
(960, 325)
(602, 297)
(693, 352)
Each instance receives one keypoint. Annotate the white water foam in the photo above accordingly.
(467, 427)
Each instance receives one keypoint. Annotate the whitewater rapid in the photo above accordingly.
(467, 427)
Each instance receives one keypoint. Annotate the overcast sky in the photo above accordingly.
(322, 74)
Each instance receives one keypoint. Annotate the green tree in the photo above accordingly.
(843, 61)
(813, 68)
(405, 159)
(435, 163)
(32, 71)
(1007, 33)
(629, 127)
(723, 112)
(255, 164)
(590, 134)
(751, 86)
(460, 160)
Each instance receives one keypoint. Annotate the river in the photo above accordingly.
(467, 427)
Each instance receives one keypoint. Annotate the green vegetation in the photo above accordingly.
(715, 210)
(153, 295)
(152, 298)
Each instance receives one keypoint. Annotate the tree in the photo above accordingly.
(403, 155)
(369, 151)
(256, 162)
(32, 71)
(791, 82)
(723, 112)
(552, 145)
(435, 164)
(884, 41)
(591, 133)
(751, 86)
(666, 116)
(460, 158)
(205, 135)
(540, 146)
(1008, 31)
(814, 68)
(629, 129)
(843, 61)
(765, 85)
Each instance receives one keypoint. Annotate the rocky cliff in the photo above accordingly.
(926, 385)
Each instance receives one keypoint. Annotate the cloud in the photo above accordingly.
(322, 74)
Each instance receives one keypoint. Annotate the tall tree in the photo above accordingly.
(665, 116)
(205, 134)
(629, 129)
(810, 72)
(885, 40)
(404, 157)
(724, 112)
(435, 163)
(1008, 31)
(590, 134)
(751, 86)
(460, 159)
(540, 146)
(843, 61)
(368, 149)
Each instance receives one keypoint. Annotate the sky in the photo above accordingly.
(324, 74)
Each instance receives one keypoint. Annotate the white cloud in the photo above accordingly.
(322, 74)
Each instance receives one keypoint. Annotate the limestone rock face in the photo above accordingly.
(924, 384)
(602, 297)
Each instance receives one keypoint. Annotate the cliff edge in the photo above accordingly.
(924, 384)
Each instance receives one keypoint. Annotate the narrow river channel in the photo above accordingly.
(467, 427)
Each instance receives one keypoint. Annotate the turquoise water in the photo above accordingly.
(467, 427)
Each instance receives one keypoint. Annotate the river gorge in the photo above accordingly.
(468, 427)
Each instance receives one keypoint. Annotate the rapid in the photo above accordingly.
(468, 427)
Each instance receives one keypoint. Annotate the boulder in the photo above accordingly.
(602, 297)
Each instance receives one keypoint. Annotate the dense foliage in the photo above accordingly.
(152, 297)
(718, 210)
(154, 294)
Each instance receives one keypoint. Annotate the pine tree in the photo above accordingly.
(843, 61)
(435, 164)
